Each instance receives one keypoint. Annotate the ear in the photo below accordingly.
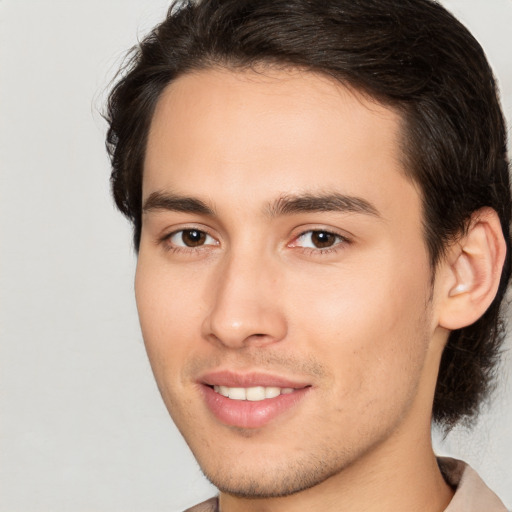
(472, 271)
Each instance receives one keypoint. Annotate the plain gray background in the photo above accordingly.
(82, 427)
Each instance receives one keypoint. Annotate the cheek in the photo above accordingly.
(371, 331)
(168, 307)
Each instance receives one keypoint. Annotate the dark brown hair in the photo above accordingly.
(410, 54)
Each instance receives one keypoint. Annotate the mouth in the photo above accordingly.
(251, 401)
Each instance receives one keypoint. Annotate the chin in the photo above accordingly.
(270, 479)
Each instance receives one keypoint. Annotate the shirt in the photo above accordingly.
(471, 493)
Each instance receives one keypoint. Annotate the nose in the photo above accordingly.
(244, 304)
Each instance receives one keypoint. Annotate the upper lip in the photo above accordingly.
(247, 380)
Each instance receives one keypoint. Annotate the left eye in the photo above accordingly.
(318, 240)
(191, 238)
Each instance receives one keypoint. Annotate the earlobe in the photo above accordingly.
(474, 270)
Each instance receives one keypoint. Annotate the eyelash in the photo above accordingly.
(338, 244)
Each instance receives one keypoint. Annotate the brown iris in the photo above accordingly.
(322, 239)
(193, 237)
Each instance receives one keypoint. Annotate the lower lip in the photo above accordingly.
(247, 414)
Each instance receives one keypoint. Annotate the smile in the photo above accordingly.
(253, 400)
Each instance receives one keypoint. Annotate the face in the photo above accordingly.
(283, 284)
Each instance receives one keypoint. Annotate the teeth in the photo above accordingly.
(272, 392)
(237, 393)
(254, 394)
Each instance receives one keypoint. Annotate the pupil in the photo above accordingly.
(322, 239)
(193, 237)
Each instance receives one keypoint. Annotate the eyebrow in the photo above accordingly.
(284, 205)
(176, 203)
(331, 202)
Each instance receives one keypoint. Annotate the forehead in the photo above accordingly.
(252, 133)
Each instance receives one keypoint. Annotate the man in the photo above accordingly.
(321, 208)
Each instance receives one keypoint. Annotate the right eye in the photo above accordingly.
(191, 238)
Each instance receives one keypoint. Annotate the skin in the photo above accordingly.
(358, 320)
